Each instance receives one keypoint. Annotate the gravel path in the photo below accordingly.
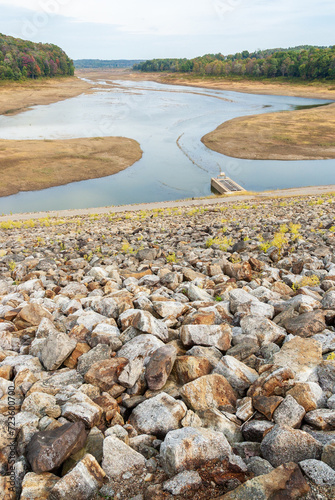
(303, 191)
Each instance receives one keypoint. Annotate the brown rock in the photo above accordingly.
(125, 273)
(79, 333)
(38, 486)
(31, 315)
(7, 489)
(303, 356)
(273, 382)
(282, 289)
(256, 265)
(266, 405)
(306, 324)
(81, 348)
(106, 402)
(104, 374)
(160, 366)
(200, 318)
(286, 483)
(210, 391)
(188, 368)
(47, 450)
(82, 482)
(238, 271)
(303, 394)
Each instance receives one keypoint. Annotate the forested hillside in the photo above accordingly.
(21, 59)
(305, 62)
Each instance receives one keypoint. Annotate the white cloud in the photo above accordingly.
(180, 17)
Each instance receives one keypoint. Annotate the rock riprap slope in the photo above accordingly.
(178, 353)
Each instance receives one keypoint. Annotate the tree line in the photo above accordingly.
(102, 63)
(305, 62)
(21, 59)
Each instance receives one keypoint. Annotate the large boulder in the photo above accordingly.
(189, 448)
(158, 415)
(47, 450)
(283, 444)
(209, 391)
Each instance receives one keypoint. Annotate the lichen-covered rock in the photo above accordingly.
(209, 391)
(188, 448)
(119, 458)
(82, 482)
(284, 444)
(158, 415)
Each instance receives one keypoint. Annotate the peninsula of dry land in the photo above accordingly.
(291, 135)
(33, 165)
(16, 97)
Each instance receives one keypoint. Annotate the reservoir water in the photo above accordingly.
(168, 122)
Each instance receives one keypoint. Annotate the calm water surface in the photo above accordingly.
(168, 122)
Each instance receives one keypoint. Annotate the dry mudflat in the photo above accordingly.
(33, 165)
(16, 97)
(290, 135)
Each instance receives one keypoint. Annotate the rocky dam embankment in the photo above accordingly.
(174, 353)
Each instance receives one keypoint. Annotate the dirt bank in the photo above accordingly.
(307, 134)
(33, 165)
(16, 97)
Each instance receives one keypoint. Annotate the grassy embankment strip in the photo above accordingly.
(40, 164)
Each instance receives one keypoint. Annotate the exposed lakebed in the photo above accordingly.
(168, 122)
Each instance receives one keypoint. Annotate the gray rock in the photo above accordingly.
(55, 349)
(239, 375)
(146, 323)
(189, 447)
(259, 466)
(328, 454)
(254, 430)
(289, 413)
(183, 482)
(158, 415)
(223, 422)
(244, 303)
(82, 482)
(218, 336)
(98, 353)
(284, 444)
(119, 458)
(322, 418)
(195, 293)
(81, 407)
(264, 329)
(319, 472)
(328, 301)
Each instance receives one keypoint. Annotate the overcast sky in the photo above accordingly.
(144, 29)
